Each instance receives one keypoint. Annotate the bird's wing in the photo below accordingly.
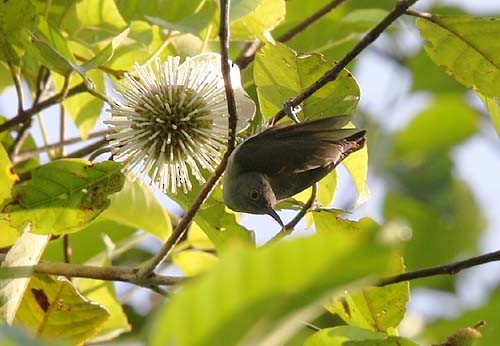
(296, 148)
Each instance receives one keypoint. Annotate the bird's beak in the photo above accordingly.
(275, 216)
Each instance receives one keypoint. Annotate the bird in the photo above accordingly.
(282, 161)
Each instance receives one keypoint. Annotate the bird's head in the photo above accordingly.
(250, 193)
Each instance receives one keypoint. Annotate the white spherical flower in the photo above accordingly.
(173, 119)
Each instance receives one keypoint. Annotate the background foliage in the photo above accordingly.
(64, 56)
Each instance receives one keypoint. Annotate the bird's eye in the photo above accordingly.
(254, 195)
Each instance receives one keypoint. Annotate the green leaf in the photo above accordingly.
(326, 189)
(379, 309)
(51, 49)
(54, 309)
(103, 293)
(17, 336)
(354, 336)
(492, 104)
(196, 23)
(13, 20)
(62, 196)
(89, 242)
(107, 53)
(252, 19)
(221, 227)
(193, 262)
(464, 46)
(134, 196)
(281, 74)
(143, 41)
(357, 166)
(429, 77)
(7, 177)
(350, 20)
(251, 293)
(93, 21)
(443, 226)
(446, 123)
(13, 281)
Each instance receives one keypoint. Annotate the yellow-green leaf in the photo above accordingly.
(281, 74)
(259, 290)
(13, 281)
(62, 196)
(466, 48)
(134, 196)
(54, 309)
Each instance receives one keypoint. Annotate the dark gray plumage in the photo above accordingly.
(281, 161)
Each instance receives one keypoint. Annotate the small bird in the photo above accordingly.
(281, 161)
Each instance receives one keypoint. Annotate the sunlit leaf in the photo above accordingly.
(492, 104)
(464, 46)
(357, 166)
(7, 177)
(133, 197)
(254, 19)
(354, 336)
(193, 262)
(281, 74)
(258, 290)
(380, 309)
(62, 196)
(93, 20)
(105, 54)
(25, 252)
(54, 309)
(104, 293)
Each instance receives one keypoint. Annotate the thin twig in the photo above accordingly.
(248, 53)
(35, 109)
(289, 227)
(447, 269)
(310, 20)
(23, 134)
(181, 228)
(26, 155)
(15, 76)
(62, 129)
(88, 149)
(332, 74)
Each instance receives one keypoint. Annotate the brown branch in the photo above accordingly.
(447, 269)
(333, 73)
(248, 53)
(181, 228)
(123, 274)
(88, 149)
(37, 108)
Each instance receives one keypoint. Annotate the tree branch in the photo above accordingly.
(248, 53)
(181, 228)
(123, 274)
(333, 73)
(447, 269)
